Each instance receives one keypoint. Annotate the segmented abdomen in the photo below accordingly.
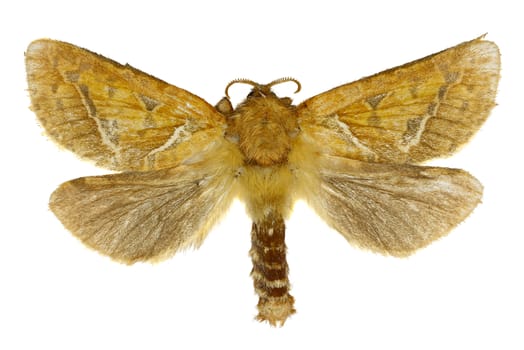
(270, 270)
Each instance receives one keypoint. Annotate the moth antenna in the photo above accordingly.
(285, 80)
(240, 81)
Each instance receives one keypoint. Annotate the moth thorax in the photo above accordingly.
(264, 129)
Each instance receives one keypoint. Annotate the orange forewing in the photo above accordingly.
(114, 114)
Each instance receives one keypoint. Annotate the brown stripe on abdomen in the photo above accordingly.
(270, 270)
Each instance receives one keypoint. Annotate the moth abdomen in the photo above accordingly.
(270, 269)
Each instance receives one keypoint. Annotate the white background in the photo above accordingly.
(463, 292)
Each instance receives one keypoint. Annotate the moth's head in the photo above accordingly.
(263, 91)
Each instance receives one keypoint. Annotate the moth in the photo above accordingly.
(353, 153)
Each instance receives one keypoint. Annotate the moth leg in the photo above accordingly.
(224, 106)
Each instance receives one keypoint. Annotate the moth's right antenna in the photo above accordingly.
(285, 80)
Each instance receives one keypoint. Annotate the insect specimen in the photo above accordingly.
(351, 153)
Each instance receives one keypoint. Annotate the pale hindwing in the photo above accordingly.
(115, 115)
(140, 216)
(424, 109)
(392, 209)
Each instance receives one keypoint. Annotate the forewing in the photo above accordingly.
(115, 115)
(421, 110)
(391, 209)
(141, 216)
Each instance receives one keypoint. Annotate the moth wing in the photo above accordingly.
(388, 208)
(421, 110)
(145, 215)
(113, 114)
